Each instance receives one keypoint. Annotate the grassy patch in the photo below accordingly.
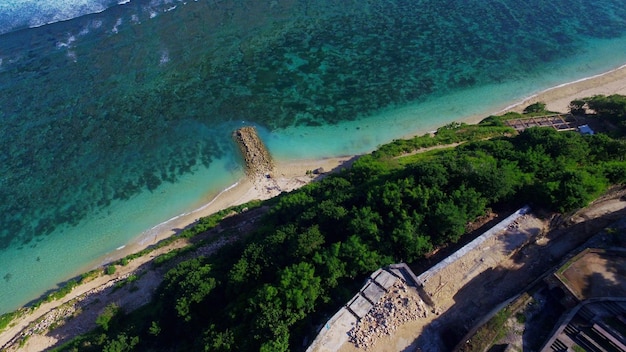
(420, 157)
(129, 280)
(165, 257)
(6, 319)
(62, 292)
(492, 331)
(452, 133)
(88, 276)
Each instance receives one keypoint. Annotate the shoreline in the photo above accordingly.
(292, 174)
(288, 176)
(557, 98)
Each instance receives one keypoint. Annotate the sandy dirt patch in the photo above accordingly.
(597, 274)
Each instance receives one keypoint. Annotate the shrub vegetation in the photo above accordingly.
(316, 244)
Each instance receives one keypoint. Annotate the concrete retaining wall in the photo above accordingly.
(499, 227)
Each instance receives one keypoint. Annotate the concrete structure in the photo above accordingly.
(596, 323)
(335, 332)
(499, 227)
(586, 326)
(560, 122)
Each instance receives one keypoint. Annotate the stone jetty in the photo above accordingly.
(258, 160)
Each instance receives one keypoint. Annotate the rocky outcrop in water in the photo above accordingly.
(258, 160)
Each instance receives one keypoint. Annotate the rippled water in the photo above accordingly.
(115, 121)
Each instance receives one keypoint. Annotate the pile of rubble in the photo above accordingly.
(398, 306)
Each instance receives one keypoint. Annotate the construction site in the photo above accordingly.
(445, 307)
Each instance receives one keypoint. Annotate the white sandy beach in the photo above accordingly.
(289, 176)
(558, 98)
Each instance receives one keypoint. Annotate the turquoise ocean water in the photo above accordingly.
(116, 117)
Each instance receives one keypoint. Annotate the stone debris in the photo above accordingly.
(515, 225)
(397, 307)
(59, 316)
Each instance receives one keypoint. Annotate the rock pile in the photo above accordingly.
(258, 160)
(396, 307)
(58, 317)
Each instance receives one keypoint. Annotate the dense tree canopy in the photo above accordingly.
(610, 109)
(316, 244)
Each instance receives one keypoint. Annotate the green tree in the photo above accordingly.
(189, 283)
(538, 107)
(251, 264)
(107, 316)
(576, 189)
(612, 107)
(577, 107)
(409, 243)
(367, 168)
(308, 242)
(219, 341)
(155, 329)
(274, 308)
(331, 266)
(300, 288)
(615, 171)
(447, 223)
(277, 343)
(360, 258)
(121, 344)
(329, 211)
(366, 223)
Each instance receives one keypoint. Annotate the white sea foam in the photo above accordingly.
(72, 56)
(34, 13)
(165, 58)
(117, 24)
(17, 14)
(67, 43)
(150, 235)
(216, 197)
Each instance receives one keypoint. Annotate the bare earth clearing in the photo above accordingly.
(483, 279)
(587, 277)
